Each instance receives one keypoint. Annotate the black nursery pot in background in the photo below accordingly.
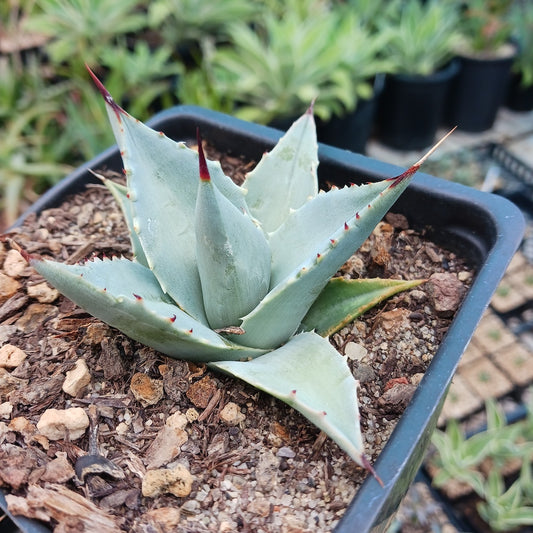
(352, 130)
(519, 98)
(411, 108)
(477, 93)
(482, 228)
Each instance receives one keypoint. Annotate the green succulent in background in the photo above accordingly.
(423, 35)
(273, 70)
(484, 25)
(29, 120)
(85, 119)
(187, 22)
(521, 19)
(369, 12)
(458, 458)
(129, 70)
(507, 509)
(240, 277)
(83, 28)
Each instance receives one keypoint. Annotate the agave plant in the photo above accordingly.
(240, 277)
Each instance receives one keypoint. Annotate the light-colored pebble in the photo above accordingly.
(464, 275)
(146, 390)
(177, 481)
(231, 414)
(11, 356)
(165, 447)
(355, 351)
(14, 264)
(177, 420)
(6, 409)
(192, 414)
(8, 287)
(122, 428)
(57, 424)
(77, 378)
(43, 293)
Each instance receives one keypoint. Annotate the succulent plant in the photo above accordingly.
(240, 277)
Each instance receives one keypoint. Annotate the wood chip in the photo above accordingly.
(72, 511)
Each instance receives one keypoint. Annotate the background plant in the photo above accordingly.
(291, 56)
(270, 64)
(30, 120)
(183, 24)
(459, 458)
(113, 36)
(81, 30)
(423, 35)
(485, 25)
(521, 20)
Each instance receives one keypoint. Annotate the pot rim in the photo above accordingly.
(441, 75)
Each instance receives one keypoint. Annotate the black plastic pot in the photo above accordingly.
(411, 108)
(519, 98)
(352, 131)
(478, 92)
(483, 228)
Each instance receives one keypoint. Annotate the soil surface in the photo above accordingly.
(166, 444)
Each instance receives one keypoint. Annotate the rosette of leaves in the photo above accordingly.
(423, 35)
(270, 71)
(240, 277)
(485, 26)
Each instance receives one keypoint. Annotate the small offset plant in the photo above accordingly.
(240, 277)
(458, 458)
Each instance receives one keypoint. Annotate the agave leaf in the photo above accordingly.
(495, 485)
(285, 178)
(310, 375)
(279, 314)
(120, 193)
(306, 231)
(104, 289)
(343, 300)
(233, 255)
(164, 202)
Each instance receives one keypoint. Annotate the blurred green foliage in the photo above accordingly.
(262, 60)
(458, 458)
(521, 17)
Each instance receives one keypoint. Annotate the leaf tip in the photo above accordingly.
(105, 93)
(204, 172)
(311, 108)
(414, 168)
(368, 467)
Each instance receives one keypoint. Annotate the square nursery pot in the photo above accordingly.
(482, 228)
